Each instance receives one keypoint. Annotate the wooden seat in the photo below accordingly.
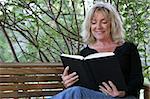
(26, 80)
(147, 91)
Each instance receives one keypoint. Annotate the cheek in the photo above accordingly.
(92, 27)
(108, 26)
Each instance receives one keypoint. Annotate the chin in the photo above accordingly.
(100, 38)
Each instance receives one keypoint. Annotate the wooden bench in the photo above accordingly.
(147, 91)
(30, 80)
(25, 80)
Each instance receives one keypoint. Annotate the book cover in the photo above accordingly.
(95, 69)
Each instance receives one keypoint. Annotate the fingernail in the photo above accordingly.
(103, 82)
(74, 73)
(67, 66)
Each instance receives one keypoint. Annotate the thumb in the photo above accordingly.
(65, 73)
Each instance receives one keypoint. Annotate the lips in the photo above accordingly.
(99, 32)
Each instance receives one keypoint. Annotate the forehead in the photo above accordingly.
(100, 13)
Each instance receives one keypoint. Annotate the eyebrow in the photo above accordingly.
(104, 19)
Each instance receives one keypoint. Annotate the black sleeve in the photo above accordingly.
(135, 82)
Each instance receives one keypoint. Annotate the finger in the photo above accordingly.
(71, 79)
(101, 88)
(115, 92)
(65, 78)
(108, 88)
(114, 88)
(69, 76)
(103, 91)
(71, 83)
(65, 71)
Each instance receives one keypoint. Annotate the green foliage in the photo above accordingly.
(6, 55)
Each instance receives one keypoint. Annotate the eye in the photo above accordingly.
(93, 22)
(104, 22)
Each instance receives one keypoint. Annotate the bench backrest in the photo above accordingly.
(18, 80)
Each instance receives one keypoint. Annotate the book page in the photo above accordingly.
(73, 56)
(97, 55)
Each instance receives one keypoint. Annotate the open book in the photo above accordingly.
(95, 69)
(91, 56)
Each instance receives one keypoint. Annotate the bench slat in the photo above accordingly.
(21, 79)
(5, 71)
(39, 65)
(28, 94)
(31, 86)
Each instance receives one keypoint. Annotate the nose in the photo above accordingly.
(99, 25)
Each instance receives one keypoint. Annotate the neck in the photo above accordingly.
(104, 46)
(104, 43)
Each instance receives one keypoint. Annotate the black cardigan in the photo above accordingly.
(130, 63)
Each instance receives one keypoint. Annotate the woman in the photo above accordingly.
(103, 32)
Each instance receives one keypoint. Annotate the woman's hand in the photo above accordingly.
(110, 89)
(69, 79)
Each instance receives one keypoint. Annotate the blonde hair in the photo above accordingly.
(117, 31)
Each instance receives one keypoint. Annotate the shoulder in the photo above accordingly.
(131, 45)
(128, 45)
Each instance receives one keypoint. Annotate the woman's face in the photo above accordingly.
(100, 26)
